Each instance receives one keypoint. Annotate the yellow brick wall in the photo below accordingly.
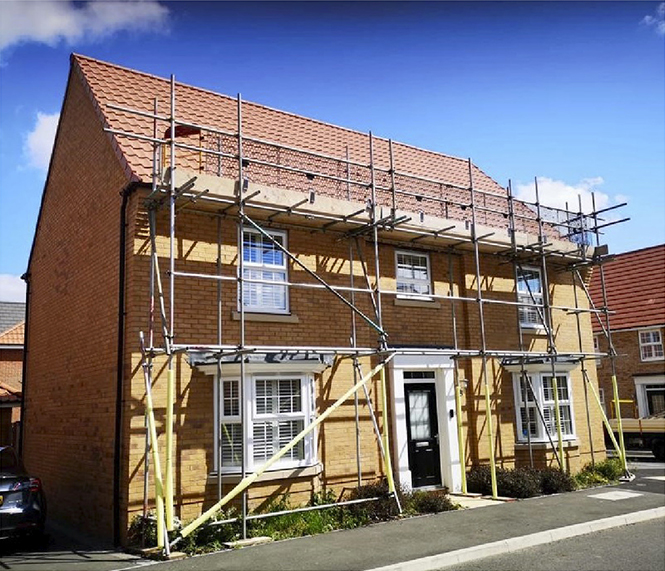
(324, 321)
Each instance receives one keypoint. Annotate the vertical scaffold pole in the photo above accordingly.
(241, 302)
(483, 343)
(524, 380)
(547, 322)
(456, 380)
(354, 344)
(218, 380)
(162, 540)
(151, 332)
(168, 493)
(612, 350)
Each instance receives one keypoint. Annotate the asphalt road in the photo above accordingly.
(629, 548)
(65, 553)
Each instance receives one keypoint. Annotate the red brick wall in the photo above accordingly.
(629, 364)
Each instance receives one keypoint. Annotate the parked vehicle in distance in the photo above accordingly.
(648, 433)
(22, 499)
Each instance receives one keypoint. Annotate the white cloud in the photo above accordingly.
(657, 20)
(52, 22)
(12, 288)
(39, 142)
(557, 193)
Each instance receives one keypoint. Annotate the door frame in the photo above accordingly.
(445, 403)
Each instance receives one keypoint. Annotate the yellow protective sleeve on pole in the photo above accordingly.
(460, 432)
(246, 482)
(617, 408)
(159, 486)
(490, 436)
(557, 417)
(386, 439)
(606, 422)
(168, 492)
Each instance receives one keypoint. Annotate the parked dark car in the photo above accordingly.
(22, 499)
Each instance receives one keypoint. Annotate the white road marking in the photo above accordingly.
(616, 495)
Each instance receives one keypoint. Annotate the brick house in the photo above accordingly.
(635, 291)
(12, 325)
(471, 297)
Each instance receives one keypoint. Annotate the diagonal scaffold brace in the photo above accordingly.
(249, 480)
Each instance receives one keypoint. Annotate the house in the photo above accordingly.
(635, 292)
(204, 277)
(12, 325)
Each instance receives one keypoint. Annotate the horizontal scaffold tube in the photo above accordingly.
(249, 480)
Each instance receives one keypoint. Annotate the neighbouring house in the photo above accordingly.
(12, 326)
(635, 292)
(270, 261)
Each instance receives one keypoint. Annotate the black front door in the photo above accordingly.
(423, 434)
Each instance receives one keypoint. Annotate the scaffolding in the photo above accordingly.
(254, 166)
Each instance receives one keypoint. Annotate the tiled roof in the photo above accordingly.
(11, 313)
(14, 335)
(112, 84)
(635, 287)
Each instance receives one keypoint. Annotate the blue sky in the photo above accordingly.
(572, 93)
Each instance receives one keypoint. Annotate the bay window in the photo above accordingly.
(529, 421)
(278, 407)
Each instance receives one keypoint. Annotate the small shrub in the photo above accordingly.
(588, 479)
(479, 480)
(430, 502)
(601, 473)
(383, 509)
(555, 480)
(612, 469)
(143, 531)
(518, 483)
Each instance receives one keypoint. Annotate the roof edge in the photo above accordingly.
(75, 57)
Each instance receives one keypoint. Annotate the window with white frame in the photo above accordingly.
(651, 345)
(596, 348)
(528, 401)
(530, 292)
(279, 407)
(265, 269)
(413, 273)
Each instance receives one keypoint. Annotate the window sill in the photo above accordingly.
(266, 317)
(574, 443)
(284, 474)
(412, 302)
(533, 329)
(653, 360)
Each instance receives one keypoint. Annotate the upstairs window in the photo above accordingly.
(265, 268)
(651, 345)
(530, 292)
(413, 274)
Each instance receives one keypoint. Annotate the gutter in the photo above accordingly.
(117, 445)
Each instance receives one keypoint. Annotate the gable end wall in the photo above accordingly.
(71, 364)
